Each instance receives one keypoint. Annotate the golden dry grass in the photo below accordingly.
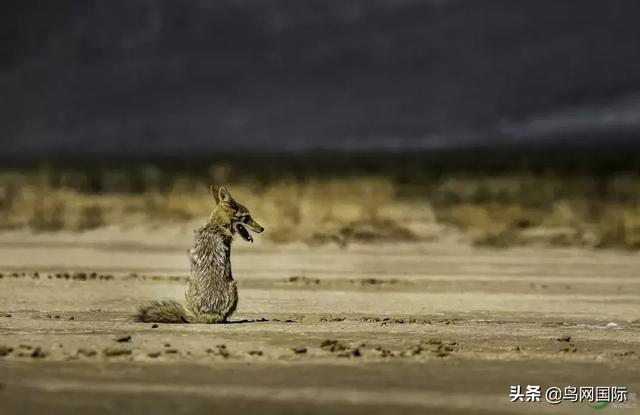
(499, 210)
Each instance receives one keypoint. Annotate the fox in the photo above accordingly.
(212, 293)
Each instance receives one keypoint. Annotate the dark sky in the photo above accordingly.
(158, 77)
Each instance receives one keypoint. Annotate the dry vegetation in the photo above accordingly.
(497, 210)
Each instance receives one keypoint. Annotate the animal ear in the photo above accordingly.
(223, 195)
(214, 194)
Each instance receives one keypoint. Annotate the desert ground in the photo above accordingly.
(422, 327)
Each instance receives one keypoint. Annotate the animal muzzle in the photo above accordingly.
(252, 225)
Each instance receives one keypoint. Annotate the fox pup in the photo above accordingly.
(212, 295)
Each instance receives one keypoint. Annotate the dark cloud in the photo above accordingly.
(166, 77)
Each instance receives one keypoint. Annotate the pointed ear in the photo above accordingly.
(214, 193)
(223, 195)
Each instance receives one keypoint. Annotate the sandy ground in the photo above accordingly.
(420, 328)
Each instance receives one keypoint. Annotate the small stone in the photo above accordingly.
(222, 351)
(384, 352)
(171, 351)
(299, 350)
(38, 353)
(5, 350)
(153, 355)
(113, 352)
(80, 276)
(154, 326)
(86, 352)
(255, 352)
(355, 352)
(123, 339)
(333, 345)
(564, 339)
(416, 350)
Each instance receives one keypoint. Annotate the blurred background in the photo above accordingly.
(501, 122)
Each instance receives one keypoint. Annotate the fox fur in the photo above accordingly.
(212, 294)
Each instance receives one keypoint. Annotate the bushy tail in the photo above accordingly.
(167, 311)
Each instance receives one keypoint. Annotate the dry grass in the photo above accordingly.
(498, 211)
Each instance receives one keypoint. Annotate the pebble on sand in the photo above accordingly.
(86, 352)
(111, 352)
(5, 350)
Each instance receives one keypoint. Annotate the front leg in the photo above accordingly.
(231, 299)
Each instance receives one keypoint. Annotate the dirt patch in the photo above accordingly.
(418, 327)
